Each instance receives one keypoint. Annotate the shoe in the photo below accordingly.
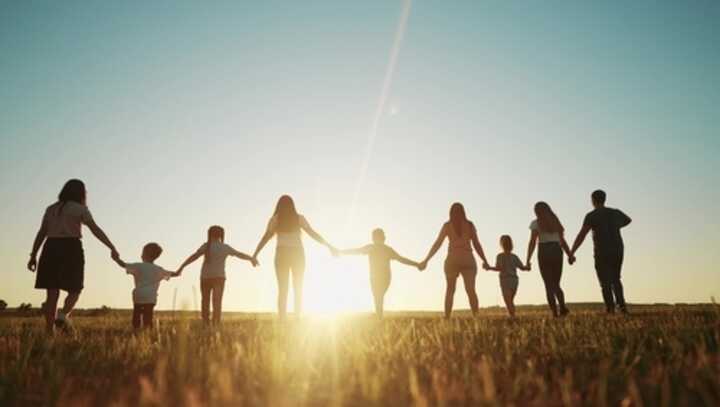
(564, 312)
(64, 325)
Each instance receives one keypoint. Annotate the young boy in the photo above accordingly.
(147, 277)
(507, 263)
(379, 255)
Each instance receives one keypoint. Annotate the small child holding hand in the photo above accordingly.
(147, 276)
(379, 254)
(507, 263)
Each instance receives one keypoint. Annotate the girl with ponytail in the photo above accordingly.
(212, 274)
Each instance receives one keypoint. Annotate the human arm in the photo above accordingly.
(580, 238)
(566, 249)
(242, 256)
(192, 258)
(304, 225)
(39, 239)
(520, 265)
(493, 268)
(435, 247)
(400, 259)
(116, 258)
(269, 233)
(101, 236)
(478, 247)
(531, 245)
(358, 251)
(623, 219)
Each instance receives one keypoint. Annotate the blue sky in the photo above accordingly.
(179, 115)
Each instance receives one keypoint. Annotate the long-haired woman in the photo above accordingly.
(62, 262)
(287, 224)
(462, 238)
(548, 234)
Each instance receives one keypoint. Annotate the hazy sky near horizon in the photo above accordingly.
(179, 115)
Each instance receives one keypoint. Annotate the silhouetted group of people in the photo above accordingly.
(61, 264)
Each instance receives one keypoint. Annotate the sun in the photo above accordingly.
(336, 286)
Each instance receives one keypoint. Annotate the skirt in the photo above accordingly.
(61, 265)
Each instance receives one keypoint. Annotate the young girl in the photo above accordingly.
(379, 254)
(507, 264)
(212, 274)
(62, 262)
(148, 276)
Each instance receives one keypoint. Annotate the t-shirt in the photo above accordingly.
(544, 237)
(66, 221)
(147, 281)
(459, 242)
(288, 239)
(379, 257)
(605, 224)
(214, 262)
(508, 264)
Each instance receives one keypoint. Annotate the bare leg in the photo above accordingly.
(217, 296)
(51, 301)
(70, 301)
(205, 293)
(449, 294)
(509, 298)
(297, 279)
(283, 275)
(469, 282)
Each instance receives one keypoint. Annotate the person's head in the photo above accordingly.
(547, 220)
(287, 216)
(151, 252)
(457, 217)
(215, 233)
(378, 236)
(506, 243)
(598, 198)
(73, 190)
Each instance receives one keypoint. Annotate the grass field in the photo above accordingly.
(658, 356)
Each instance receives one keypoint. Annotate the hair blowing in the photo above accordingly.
(546, 218)
(458, 217)
(287, 216)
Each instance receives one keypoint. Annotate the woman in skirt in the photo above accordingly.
(548, 234)
(62, 262)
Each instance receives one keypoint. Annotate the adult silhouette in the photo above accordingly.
(287, 224)
(609, 248)
(62, 262)
(462, 238)
(548, 234)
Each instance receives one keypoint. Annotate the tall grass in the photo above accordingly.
(663, 357)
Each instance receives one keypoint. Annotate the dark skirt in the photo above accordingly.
(61, 265)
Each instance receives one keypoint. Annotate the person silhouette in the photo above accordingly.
(287, 225)
(62, 262)
(548, 234)
(379, 254)
(462, 238)
(609, 249)
(212, 274)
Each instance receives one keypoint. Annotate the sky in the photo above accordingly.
(179, 115)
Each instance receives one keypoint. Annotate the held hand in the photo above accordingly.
(422, 265)
(335, 252)
(32, 264)
(254, 261)
(571, 259)
(114, 254)
(529, 266)
(485, 267)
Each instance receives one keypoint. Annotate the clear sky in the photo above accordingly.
(179, 115)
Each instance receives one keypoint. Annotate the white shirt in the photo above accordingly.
(545, 237)
(288, 239)
(214, 262)
(66, 221)
(147, 281)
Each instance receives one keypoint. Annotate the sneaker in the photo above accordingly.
(64, 325)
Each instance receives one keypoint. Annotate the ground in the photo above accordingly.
(661, 355)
